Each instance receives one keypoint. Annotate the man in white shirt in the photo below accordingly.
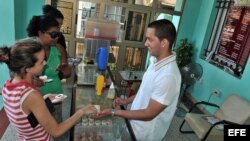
(154, 105)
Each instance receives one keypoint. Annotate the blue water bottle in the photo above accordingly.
(102, 58)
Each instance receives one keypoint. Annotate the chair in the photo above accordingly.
(234, 110)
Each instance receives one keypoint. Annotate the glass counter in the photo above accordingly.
(104, 129)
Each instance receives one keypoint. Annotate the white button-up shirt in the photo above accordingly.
(161, 82)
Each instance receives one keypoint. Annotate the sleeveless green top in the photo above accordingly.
(54, 87)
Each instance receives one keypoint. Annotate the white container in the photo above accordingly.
(86, 74)
(111, 92)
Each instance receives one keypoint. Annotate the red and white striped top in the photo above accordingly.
(13, 97)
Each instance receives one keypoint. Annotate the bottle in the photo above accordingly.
(99, 84)
(80, 70)
(104, 86)
(102, 58)
(111, 92)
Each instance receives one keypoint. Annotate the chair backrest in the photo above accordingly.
(234, 109)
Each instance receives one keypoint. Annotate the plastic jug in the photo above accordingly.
(80, 70)
(102, 58)
(111, 92)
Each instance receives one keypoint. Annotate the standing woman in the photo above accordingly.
(46, 28)
(53, 12)
(26, 59)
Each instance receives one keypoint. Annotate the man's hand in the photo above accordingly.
(119, 101)
(103, 113)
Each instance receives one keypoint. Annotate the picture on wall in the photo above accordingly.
(233, 47)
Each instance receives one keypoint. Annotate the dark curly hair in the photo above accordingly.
(4, 54)
(41, 23)
(52, 11)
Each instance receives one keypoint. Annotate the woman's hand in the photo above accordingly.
(37, 82)
(65, 70)
(89, 109)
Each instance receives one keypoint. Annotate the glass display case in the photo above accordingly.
(79, 49)
(67, 10)
(85, 10)
(136, 23)
(135, 58)
(104, 129)
(113, 57)
(116, 13)
(132, 17)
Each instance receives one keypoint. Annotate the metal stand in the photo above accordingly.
(181, 112)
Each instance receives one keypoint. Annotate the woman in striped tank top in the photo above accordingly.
(21, 99)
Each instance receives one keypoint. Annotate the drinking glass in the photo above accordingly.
(117, 127)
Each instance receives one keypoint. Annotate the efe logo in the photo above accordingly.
(236, 132)
(241, 132)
